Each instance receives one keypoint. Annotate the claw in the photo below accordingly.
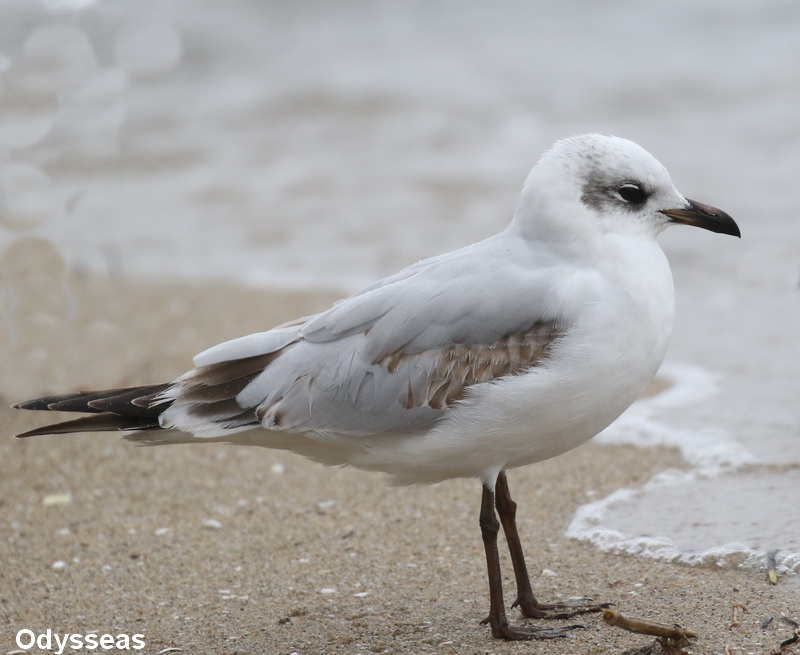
(505, 631)
(563, 610)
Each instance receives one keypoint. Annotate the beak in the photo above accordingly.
(705, 216)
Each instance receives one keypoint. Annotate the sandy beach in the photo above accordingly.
(213, 549)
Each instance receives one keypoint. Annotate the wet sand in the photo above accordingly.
(213, 549)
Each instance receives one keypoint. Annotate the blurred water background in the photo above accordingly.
(319, 144)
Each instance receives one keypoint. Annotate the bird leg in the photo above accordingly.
(497, 619)
(526, 601)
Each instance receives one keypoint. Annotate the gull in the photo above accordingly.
(497, 355)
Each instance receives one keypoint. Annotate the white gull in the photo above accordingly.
(497, 355)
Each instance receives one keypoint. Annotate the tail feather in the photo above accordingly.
(132, 408)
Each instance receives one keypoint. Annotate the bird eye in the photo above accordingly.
(632, 193)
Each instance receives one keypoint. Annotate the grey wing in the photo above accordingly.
(388, 360)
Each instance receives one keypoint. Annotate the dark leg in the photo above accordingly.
(530, 607)
(497, 619)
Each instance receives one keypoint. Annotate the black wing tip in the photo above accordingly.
(129, 409)
(36, 432)
(125, 401)
(35, 404)
(104, 422)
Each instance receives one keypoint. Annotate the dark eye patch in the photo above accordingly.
(603, 193)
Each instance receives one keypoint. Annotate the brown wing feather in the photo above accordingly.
(463, 365)
(212, 389)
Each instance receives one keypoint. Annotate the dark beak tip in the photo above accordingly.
(728, 225)
(705, 217)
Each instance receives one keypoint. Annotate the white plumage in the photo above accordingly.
(497, 355)
(593, 272)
